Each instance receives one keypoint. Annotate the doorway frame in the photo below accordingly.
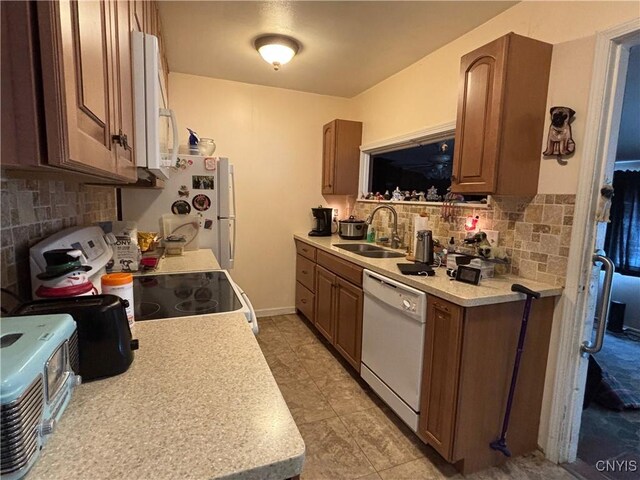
(602, 122)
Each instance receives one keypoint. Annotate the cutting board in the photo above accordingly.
(187, 225)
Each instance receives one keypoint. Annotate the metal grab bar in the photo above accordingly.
(609, 269)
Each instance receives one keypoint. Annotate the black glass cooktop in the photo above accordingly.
(183, 295)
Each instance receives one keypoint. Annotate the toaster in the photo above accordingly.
(105, 343)
(37, 353)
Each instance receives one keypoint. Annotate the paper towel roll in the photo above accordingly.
(420, 223)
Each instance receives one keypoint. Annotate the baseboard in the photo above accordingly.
(270, 312)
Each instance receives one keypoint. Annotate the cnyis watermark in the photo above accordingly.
(617, 465)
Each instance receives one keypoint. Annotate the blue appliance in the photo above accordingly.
(37, 354)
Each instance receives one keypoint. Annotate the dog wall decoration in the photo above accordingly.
(560, 142)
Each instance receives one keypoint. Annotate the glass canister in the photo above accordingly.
(206, 146)
(121, 285)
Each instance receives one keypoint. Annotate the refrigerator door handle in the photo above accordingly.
(232, 253)
(232, 186)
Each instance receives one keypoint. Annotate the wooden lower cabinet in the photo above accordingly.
(325, 286)
(305, 301)
(441, 367)
(348, 325)
(468, 361)
(336, 311)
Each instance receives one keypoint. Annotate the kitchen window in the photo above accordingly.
(418, 162)
(424, 168)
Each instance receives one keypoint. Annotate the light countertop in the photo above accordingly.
(490, 290)
(202, 260)
(199, 401)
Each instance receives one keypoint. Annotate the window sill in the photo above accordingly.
(480, 206)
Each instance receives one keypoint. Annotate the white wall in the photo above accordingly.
(626, 289)
(425, 94)
(274, 138)
(629, 139)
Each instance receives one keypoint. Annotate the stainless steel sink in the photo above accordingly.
(366, 250)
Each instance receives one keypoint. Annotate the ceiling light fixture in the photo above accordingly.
(276, 49)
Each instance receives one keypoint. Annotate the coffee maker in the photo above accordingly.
(321, 222)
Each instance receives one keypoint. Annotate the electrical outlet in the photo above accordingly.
(335, 213)
(492, 237)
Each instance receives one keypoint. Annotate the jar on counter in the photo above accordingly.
(121, 285)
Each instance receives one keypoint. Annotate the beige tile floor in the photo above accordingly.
(349, 433)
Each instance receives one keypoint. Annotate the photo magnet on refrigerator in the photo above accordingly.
(180, 207)
(183, 191)
(208, 224)
(210, 163)
(201, 202)
(202, 182)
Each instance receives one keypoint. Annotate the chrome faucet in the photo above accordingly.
(395, 239)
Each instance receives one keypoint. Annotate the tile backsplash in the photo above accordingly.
(534, 231)
(33, 209)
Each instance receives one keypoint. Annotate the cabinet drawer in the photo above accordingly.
(305, 270)
(306, 250)
(305, 301)
(344, 269)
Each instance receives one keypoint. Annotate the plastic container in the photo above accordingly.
(121, 285)
(174, 245)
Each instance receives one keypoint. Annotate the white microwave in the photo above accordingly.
(155, 123)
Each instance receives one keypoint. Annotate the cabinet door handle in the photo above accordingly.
(454, 178)
(304, 272)
(305, 250)
(121, 139)
(304, 300)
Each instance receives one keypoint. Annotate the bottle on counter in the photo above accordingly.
(121, 285)
(371, 234)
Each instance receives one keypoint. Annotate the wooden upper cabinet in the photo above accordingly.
(76, 51)
(341, 157)
(501, 112)
(86, 78)
(328, 157)
(20, 87)
(123, 100)
(138, 13)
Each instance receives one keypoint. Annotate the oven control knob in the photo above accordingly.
(406, 304)
(47, 426)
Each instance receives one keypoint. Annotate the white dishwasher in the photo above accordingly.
(392, 343)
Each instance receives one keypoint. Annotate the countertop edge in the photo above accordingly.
(281, 470)
(549, 291)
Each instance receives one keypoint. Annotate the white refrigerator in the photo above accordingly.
(198, 188)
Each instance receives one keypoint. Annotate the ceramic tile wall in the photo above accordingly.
(34, 209)
(534, 231)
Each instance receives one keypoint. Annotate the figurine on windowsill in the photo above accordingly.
(432, 194)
